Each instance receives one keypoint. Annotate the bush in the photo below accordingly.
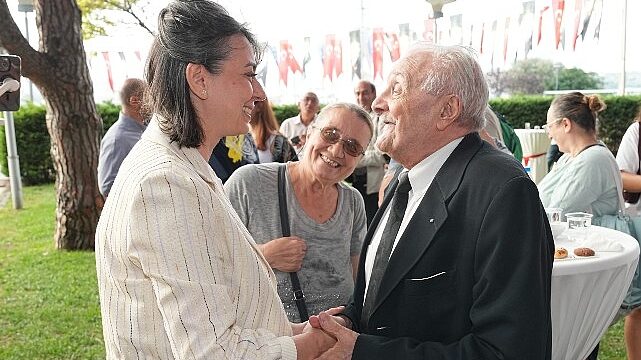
(33, 143)
(109, 112)
(283, 112)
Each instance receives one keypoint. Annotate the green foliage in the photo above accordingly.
(529, 76)
(521, 109)
(577, 79)
(33, 144)
(109, 112)
(49, 307)
(283, 112)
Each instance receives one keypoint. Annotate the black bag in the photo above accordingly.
(633, 197)
(299, 296)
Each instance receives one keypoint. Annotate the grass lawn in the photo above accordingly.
(49, 305)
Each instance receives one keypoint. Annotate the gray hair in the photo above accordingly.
(355, 109)
(457, 72)
(196, 32)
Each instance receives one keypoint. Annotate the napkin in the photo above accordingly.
(598, 242)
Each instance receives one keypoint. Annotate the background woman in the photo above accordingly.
(179, 275)
(628, 160)
(327, 217)
(584, 178)
(272, 145)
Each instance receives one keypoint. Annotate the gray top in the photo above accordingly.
(114, 147)
(326, 275)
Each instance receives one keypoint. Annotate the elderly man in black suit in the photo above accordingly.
(458, 260)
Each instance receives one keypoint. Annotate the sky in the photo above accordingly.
(293, 20)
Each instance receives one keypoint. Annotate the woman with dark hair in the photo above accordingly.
(585, 177)
(179, 276)
(272, 145)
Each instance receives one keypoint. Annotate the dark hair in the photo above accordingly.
(263, 123)
(131, 87)
(579, 108)
(189, 31)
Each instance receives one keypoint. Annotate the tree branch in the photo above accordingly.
(11, 39)
(126, 7)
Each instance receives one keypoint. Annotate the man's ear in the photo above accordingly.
(195, 75)
(450, 111)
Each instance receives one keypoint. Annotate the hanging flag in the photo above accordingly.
(429, 34)
(558, 7)
(138, 55)
(105, 56)
(527, 26)
(482, 37)
(578, 4)
(308, 57)
(456, 29)
(283, 61)
(393, 46)
(338, 57)
(404, 37)
(355, 52)
(124, 61)
(329, 56)
(538, 39)
(586, 20)
(471, 35)
(378, 38)
(597, 29)
(506, 31)
(493, 47)
(292, 64)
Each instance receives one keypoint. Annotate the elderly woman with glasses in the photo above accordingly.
(327, 217)
(585, 178)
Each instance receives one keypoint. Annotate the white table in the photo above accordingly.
(535, 144)
(586, 294)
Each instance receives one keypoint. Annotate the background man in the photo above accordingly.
(295, 127)
(458, 260)
(370, 170)
(122, 135)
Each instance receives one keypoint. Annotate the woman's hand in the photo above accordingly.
(285, 254)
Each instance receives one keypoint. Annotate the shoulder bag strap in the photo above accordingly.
(299, 296)
(639, 148)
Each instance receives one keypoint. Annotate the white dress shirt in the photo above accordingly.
(421, 177)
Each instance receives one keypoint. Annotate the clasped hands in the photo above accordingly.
(325, 337)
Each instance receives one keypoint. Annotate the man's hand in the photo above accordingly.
(285, 254)
(312, 343)
(345, 337)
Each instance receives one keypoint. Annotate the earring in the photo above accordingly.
(204, 93)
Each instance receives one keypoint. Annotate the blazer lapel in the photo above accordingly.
(430, 215)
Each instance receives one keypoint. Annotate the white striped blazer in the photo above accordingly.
(179, 275)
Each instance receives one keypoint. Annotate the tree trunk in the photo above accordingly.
(60, 71)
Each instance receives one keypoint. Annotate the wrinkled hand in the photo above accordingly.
(345, 337)
(315, 323)
(312, 343)
(285, 254)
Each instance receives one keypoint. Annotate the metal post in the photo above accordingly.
(26, 33)
(13, 162)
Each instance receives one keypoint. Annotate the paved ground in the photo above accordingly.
(5, 190)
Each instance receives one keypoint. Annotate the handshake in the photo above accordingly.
(325, 336)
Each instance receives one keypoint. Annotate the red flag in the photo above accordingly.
(137, 55)
(378, 38)
(338, 57)
(558, 7)
(329, 57)
(105, 55)
(578, 5)
(538, 40)
(393, 46)
(428, 35)
(291, 60)
(283, 65)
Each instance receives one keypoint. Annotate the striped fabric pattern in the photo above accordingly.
(179, 275)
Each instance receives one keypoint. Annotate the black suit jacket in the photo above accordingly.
(470, 276)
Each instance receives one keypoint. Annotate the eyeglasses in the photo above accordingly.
(548, 126)
(332, 135)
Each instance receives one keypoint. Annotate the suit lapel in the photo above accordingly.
(430, 215)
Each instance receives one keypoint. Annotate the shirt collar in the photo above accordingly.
(422, 175)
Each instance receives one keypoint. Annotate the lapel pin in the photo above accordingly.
(431, 220)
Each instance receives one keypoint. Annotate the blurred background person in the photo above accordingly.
(232, 152)
(628, 161)
(584, 178)
(327, 217)
(272, 146)
(123, 134)
(369, 172)
(295, 128)
(178, 274)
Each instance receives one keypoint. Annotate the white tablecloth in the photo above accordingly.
(586, 294)
(535, 144)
